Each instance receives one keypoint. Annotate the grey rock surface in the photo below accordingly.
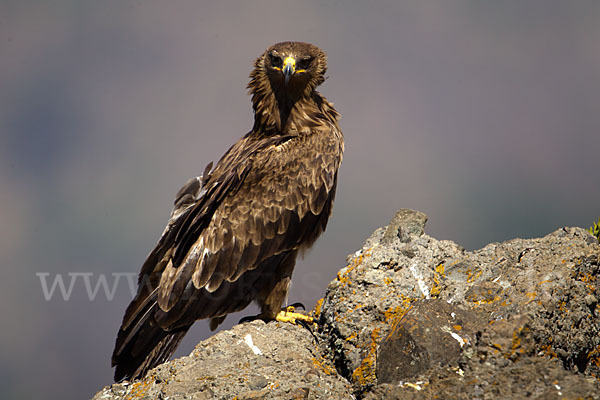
(253, 360)
(414, 317)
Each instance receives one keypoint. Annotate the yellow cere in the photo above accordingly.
(290, 60)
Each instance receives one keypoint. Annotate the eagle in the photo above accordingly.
(235, 231)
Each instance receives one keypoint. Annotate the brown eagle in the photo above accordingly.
(235, 231)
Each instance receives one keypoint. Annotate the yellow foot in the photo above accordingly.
(288, 315)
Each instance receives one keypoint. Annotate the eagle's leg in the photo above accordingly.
(271, 307)
(274, 291)
(270, 300)
(273, 295)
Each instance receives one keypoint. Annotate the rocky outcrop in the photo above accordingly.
(251, 361)
(414, 317)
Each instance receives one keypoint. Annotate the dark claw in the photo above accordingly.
(298, 305)
(308, 326)
(304, 324)
(249, 318)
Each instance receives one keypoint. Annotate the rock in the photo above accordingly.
(432, 332)
(411, 317)
(251, 361)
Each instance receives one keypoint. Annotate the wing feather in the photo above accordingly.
(262, 199)
(249, 257)
(283, 223)
(234, 262)
(318, 200)
(204, 269)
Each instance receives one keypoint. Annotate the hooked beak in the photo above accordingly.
(289, 67)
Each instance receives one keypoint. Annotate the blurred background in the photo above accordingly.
(484, 115)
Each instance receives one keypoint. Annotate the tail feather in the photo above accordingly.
(143, 344)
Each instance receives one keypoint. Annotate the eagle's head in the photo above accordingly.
(291, 68)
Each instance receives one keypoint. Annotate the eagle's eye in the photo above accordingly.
(276, 61)
(304, 63)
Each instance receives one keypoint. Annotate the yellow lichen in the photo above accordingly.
(547, 349)
(139, 389)
(473, 275)
(323, 366)
(365, 373)
(515, 348)
(351, 337)
(594, 356)
(589, 280)
(273, 385)
(343, 277)
(393, 315)
(318, 307)
(437, 281)
(531, 295)
(440, 269)
(484, 301)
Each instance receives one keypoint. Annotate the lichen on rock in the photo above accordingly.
(469, 317)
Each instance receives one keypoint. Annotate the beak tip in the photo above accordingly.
(288, 71)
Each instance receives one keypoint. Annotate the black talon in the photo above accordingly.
(308, 326)
(298, 305)
(249, 318)
(304, 324)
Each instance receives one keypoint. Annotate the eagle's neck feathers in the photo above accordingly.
(281, 109)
